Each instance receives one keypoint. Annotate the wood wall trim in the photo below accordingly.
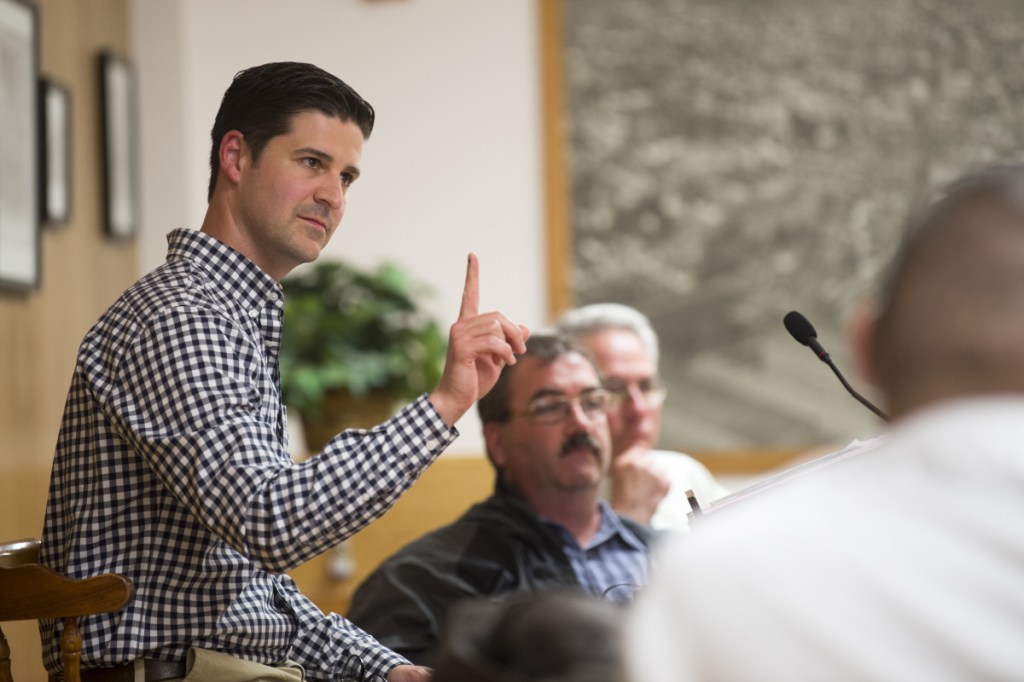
(558, 209)
(753, 461)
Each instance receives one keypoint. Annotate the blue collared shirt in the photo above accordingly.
(614, 563)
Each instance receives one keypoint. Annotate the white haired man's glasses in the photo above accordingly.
(650, 390)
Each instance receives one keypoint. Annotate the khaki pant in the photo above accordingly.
(204, 665)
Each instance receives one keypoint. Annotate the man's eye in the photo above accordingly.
(615, 386)
(648, 386)
(347, 179)
(547, 408)
(311, 162)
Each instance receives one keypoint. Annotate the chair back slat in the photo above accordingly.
(29, 591)
(19, 553)
(33, 591)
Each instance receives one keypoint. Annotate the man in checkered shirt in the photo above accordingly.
(172, 465)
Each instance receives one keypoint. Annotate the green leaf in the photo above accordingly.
(356, 330)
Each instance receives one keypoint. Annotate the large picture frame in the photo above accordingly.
(727, 162)
(20, 240)
(118, 93)
(55, 153)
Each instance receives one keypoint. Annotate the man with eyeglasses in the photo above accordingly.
(544, 527)
(645, 484)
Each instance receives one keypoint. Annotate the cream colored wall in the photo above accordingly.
(453, 165)
(82, 272)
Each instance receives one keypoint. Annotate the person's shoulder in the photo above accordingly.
(435, 557)
(168, 284)
(179, 294)
(645, 534)
(148, 297)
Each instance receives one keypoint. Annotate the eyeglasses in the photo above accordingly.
(554, 409)
(651, 390)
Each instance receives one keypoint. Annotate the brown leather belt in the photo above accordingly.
(155, 671)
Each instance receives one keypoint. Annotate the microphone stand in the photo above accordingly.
(827, 359)
(803, 332)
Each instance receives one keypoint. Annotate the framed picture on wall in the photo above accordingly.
(19, 126)
(120, 164)
(55, 153)
(732, 161)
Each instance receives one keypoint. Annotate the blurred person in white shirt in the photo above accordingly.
(905, 562)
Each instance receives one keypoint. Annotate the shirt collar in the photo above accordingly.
(612, 526)
(232, 273)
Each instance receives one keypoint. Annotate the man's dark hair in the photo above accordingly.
(494, 407)
(261, 101)
(561, 635)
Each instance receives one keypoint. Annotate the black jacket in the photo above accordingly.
(498, 547)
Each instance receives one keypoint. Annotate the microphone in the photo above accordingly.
(803, 331)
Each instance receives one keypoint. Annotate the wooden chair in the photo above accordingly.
(29, 591)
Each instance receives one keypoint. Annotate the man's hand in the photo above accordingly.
(479, 345)
(637, 485)
(410, 673)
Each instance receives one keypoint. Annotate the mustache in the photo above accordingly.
(581, 440)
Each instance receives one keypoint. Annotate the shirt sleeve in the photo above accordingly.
(353, 654)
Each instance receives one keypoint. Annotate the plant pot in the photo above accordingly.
(342, 410)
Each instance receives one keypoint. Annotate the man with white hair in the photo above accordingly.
(646, 484)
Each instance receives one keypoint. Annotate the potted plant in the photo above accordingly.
(355, 341)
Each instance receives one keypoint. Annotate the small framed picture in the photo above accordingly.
(20, 241)
(120, 164)
(55, 153)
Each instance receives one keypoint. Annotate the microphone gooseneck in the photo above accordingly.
(801, 329)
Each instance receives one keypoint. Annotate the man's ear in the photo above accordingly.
(232, 154)
(861, 334)
(493, 439)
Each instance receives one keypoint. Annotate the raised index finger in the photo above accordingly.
(471, 292)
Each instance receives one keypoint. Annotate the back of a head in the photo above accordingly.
(596, 317)
(532, 637)
(951, 315)
(261, 101)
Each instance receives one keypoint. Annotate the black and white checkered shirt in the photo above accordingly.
(172, 468)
